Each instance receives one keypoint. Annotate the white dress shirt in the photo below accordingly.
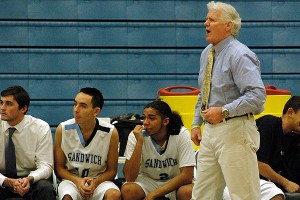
(34, 148)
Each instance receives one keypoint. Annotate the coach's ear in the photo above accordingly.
(228, 26)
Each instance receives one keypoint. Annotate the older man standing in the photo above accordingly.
(232, 91)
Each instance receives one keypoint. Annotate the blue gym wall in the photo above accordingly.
(130, 49)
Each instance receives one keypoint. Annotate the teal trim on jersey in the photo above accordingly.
(76, 126)
(145, 134)
(155, 146)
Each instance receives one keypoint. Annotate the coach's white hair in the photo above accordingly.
(228, 14)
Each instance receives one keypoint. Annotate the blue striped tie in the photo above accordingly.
(10, 156)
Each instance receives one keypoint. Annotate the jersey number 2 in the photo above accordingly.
(164, 176)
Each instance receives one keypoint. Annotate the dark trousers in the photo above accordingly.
(292, 196)
(41, 190)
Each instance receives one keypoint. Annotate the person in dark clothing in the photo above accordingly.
(279, 152)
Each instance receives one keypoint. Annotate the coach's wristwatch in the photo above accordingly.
(225, 112)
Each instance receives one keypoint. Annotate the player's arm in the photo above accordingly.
(112, 160)
(183, 178)
(266, 171)
(60, 159)
(132, 165)
(60, 170)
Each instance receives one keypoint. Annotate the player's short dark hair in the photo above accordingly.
(293, 102)
(97, 97)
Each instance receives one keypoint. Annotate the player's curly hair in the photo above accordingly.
(164, 110)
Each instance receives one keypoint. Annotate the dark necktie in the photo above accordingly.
(207, 80)
(10, 156)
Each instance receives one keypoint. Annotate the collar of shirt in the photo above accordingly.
(20, 126)
(221, 45)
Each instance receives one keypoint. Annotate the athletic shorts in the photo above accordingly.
(149, 185)
(68, 187)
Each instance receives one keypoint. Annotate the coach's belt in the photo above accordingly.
(228, 118)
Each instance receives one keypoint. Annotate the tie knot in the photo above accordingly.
(11, 130)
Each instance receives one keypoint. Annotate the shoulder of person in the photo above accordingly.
(266, 118)
(104, 122)
(184, 133)
(241, 48)
(69, 121)
(34, 120)
(207, 48)
(105, 125)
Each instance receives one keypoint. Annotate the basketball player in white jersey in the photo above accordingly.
(159, 155)
(86, 151)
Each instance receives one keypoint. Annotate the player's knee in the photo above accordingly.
(67, 197)
(129, 192)
(126, 191)
(112, 194)
(185, 192)
(278, 197)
